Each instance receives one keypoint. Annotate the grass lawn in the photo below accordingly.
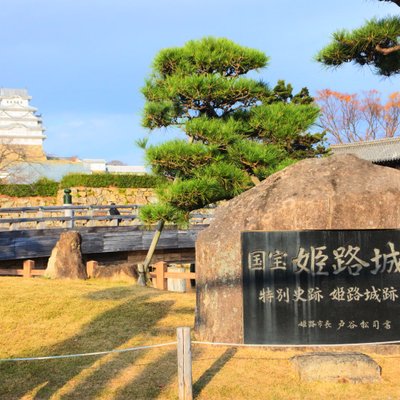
(40, 317)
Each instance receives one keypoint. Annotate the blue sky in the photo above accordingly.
(84, 61)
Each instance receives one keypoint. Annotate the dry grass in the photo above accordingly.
(43, 317)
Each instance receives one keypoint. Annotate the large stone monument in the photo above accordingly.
(333, 193)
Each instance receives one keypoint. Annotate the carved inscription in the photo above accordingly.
(321, 287)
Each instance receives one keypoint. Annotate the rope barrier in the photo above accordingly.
(97, 353)
(292, 345)
(184, 356)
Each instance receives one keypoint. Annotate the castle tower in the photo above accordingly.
(21, 130)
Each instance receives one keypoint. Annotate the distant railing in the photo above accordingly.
(67, 216)
(27, 271)
(70, 216)
(160, 275)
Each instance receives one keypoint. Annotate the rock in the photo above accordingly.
(337, 192)
(118, 272)
(337, 367)
(65, 261)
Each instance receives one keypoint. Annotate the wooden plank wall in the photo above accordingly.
(26, 244)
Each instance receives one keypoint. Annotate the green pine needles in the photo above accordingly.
(375, 44)
(240, 131)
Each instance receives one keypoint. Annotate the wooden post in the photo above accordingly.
(28, 266)
(14, 225)
(90, 268)
(188, 281)
(69, 213)
(161, 281)
(90, 221)
(184, 364)
(41, 224)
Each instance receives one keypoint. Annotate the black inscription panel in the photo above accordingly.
(321, 287)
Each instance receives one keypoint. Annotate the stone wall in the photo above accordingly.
(33, 153)
(15, 202)
(104, 196)
(85, 196)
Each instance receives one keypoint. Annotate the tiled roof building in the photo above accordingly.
(382, 151)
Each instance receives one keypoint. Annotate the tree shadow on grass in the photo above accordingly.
(209, 374)
(44, 378)
(152, 380)
(114, 293)
(146, 385)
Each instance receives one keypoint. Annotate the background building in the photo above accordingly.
(382, 151)
(22, 157)
(20, 126)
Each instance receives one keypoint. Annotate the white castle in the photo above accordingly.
(22, 157)
(19, 124)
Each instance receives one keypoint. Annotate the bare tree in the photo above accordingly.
(351, 118)
(10, 156)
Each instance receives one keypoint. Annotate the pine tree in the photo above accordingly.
(376, 44)
(239, 130)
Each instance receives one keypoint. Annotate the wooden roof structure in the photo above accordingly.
(382, 151)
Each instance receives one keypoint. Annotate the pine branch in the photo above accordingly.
(397, 2)
(387, 50)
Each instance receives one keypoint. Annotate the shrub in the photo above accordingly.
(107, 180)
(43, 187)
(46, 187)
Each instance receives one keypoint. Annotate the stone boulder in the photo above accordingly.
(337, 367)
(116, 272)
(337, 192)
(65, 261)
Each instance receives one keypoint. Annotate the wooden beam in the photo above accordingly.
(180, 275)
(29, 244)
(38, 272)
(11, 272)
(21, 272)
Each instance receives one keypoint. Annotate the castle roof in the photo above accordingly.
(7, 93)
(381, 150)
